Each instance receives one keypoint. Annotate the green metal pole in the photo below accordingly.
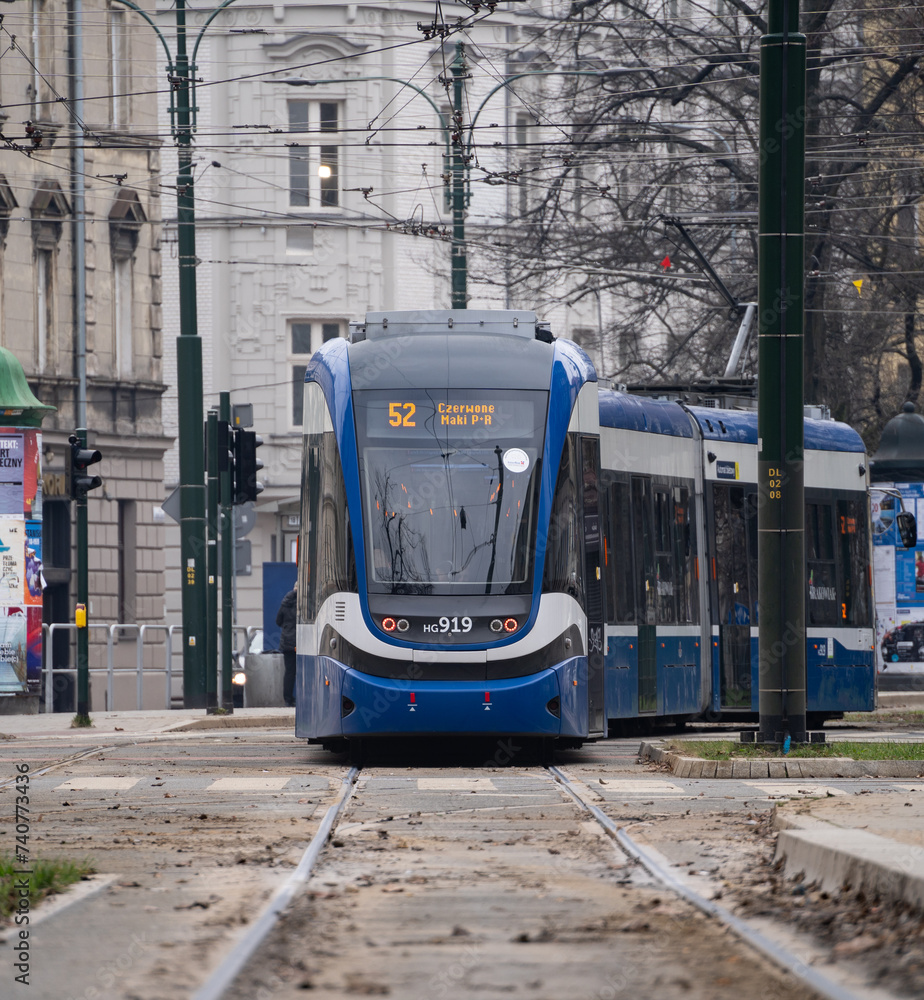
(189, 391)
(83, 590)
(211, 632)
(227, 628)
(459, 260)
(781, 507)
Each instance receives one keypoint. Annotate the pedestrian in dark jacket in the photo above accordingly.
(285, 619)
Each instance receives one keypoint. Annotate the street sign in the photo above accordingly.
(171, 506)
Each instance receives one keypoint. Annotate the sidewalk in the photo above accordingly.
(873, 843)
(128, 724)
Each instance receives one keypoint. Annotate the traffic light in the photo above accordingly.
(244, 484)
(77, 461)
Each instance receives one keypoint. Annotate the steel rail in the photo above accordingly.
(246, 945)
(777, 954)
(6, 782)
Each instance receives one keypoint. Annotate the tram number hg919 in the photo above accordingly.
(450, 625)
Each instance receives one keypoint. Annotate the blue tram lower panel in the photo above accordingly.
(837, 679)
(333, 700)
(678, 684)
(844, 681)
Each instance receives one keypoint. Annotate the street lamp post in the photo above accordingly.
(193, 547)
(189, 397)
(459, 176)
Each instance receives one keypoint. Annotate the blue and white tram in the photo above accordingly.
(493, 544)
(449, 576)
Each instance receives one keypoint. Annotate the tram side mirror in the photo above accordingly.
(907, 528)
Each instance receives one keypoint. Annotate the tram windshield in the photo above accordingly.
(450, 488)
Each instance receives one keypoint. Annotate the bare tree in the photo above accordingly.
(667, 128)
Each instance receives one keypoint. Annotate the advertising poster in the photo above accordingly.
(898, 581)
(34, 647)
(13, 645)
(12, 468)
(12, 559)
(32, 474)
(907, 564)
(34, 582)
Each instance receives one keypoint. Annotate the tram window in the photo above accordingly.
(820, 565)
(685, 558)
(665, 591)
(328, 563)
(854, 576)
(643, 544)
(563, 548)
(620, 582)
(750, 514)
(731, 555)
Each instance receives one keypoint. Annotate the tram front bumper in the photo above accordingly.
(334, 700)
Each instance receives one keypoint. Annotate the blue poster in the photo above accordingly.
(34, 582)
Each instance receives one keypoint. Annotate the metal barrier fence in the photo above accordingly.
(114, 634)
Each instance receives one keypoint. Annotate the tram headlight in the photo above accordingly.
(497, 625)
(510, 625)
(403, 624)
(389, 624)
(240, 678)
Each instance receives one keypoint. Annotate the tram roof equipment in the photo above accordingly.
(494, 322)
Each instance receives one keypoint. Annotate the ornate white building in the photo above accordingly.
(86, 286)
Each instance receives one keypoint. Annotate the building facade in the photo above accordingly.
(81, 295)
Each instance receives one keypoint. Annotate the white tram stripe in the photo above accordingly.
(455, 785)
(112, 784)
(270, 784)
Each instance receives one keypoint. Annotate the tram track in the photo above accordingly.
(220, 983)
(776, 953)
(244, 949)
(72, 759)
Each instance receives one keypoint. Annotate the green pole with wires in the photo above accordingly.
(458, 168)
(781, 485)
(193, 546)
(227, 554)
(211, 592)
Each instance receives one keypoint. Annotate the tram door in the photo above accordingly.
(593, 582)
(735, 521)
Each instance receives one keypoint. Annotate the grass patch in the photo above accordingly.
(729, 749)
(46, 879)
(898, 716)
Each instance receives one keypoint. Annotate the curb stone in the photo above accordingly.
(836, 858)
(236, 722)
(779, 767)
